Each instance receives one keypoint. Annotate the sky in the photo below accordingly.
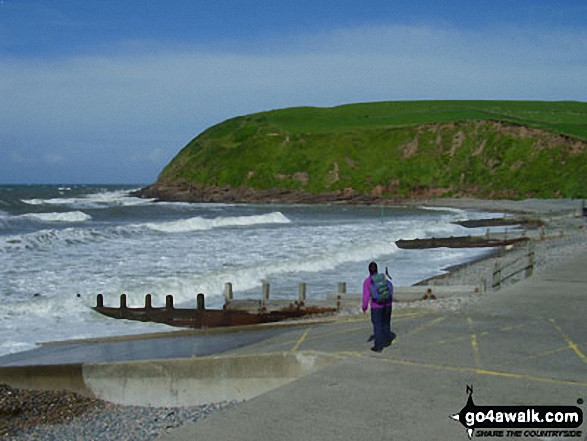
(110, 91)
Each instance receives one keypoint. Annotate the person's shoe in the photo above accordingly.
(387, 343)
(374, 349)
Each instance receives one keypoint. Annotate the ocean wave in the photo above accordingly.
(184, 288)
(70, 216)
(444, 209)
(103, 199)
(47, 238)
(200, 223)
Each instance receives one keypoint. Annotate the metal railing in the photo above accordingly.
(504, 272)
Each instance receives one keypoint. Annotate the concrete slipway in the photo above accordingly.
(526, 344)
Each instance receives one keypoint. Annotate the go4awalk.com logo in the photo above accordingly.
(520, 421)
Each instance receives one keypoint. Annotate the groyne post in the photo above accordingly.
(100, 301)
(531, 263)
(169, 303)
(169, 307)
(228, 294)
(122, 309)
(301, 293)
(265, 293)
(496, 282)
(340, 291)
(148, 303)
(200, 302)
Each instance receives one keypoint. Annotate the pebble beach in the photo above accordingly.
(49, 415)
(45, 415)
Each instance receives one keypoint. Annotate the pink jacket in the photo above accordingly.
(367, 295)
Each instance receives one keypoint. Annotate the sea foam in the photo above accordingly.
(70, 216)
(200, 223)
(104, 199)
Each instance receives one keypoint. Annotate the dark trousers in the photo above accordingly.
(381, 319)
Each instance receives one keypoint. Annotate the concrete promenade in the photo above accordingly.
(524, 345)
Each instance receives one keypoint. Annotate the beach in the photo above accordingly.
(59, 415)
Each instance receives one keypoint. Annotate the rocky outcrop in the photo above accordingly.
(226, 194)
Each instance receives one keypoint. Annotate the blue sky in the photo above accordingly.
(109, 91)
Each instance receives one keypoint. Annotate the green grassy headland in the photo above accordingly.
(490, 149)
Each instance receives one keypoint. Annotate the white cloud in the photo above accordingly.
(131, 99)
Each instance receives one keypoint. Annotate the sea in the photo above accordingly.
(61, 245)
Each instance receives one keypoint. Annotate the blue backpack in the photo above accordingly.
(380, 289)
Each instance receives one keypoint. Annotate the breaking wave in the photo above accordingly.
(71, 216)
(49, 238)
(200, 223)
(103, 199)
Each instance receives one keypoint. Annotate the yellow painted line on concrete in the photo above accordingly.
(301, 340)
(349, 353)
(535, 356)
(511, 328)
(408, 315)
(342, 331)
(479, 371)
(316, 337)
(474, 343)
(483, 334)
(454, 340)
(570, 343)
(362, 328)
(395, 316)
(425, 325)
(457, 339)
(529, 377)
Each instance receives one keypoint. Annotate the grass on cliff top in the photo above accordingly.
(565, 117)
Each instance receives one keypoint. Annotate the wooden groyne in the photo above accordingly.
(500, 222)
(239, 312)
(233, 313)
(457, 242)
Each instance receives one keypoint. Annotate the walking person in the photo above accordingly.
(378, 291)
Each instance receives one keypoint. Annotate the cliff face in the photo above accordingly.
(269, 158)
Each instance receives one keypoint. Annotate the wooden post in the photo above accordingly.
(228, 296)
(531, 262)
(122, 312)
(100, 301)
(340, 291)
(169, 303)
(265, 293)
(200, 301)
(496, 284)
(301, 293)
(148, 304)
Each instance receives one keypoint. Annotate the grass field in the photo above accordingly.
(569, 118)
(508, 149)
